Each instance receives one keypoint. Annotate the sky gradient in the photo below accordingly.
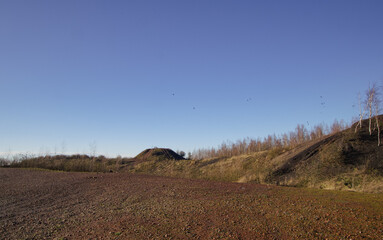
(122, 76)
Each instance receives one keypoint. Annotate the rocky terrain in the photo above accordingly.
(37, 204)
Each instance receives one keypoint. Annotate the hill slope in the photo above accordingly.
(346, 160)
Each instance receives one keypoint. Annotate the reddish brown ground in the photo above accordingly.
(57, 205)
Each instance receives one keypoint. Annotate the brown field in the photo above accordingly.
(38, 204)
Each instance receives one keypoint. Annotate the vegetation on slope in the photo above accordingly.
(344, 160)
(347, 159)
(289, 140)
(73, 163)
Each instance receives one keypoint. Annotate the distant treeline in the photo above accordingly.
(272, 142)
(73, 163)
(86, 163)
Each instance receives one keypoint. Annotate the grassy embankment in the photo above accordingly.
(346, 160)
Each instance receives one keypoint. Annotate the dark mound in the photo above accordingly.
(158, 154)
(346, 153)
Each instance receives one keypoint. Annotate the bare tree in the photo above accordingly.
(301, 133)
(63, 147)
(93, 149)
(361, 113)
(92, 153)
(372, 106)
(371, 98)
(376, 108)
(338, 126)
(285, 140)
(376, 105)
(319, 130)
(293, 139)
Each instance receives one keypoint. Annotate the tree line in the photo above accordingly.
(281, 142)
(369, 108)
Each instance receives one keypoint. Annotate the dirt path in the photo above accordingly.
(57, 205)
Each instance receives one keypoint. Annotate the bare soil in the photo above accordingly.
(38, 204)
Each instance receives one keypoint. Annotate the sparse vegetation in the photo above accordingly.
(4, 162)
(305, 159)
(73, 163)
(330, 162)
(272, 142)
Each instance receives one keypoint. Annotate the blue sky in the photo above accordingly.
(123, 76)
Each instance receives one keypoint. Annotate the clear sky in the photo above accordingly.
(122, 76)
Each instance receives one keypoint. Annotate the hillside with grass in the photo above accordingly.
(346, 160)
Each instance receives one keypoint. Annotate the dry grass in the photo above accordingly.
(345, 161)
(327, 163)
